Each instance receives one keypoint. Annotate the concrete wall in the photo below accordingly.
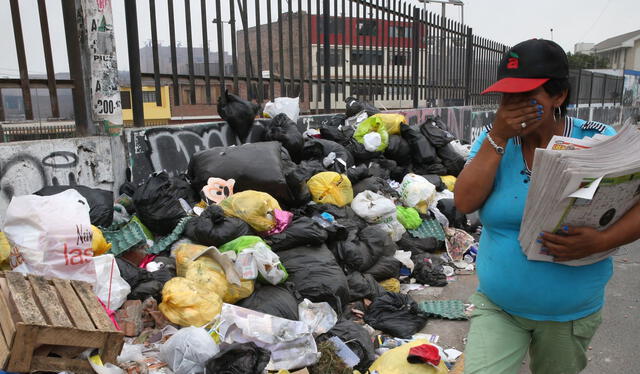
(26, 167)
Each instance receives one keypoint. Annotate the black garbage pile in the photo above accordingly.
(320, 237)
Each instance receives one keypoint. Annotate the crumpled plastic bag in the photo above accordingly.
(372, 125)
(98, 242)
(320, 317)
(331, 188)
(287, 105)
(188, 350)
(241, 358)
(110, 287)
(449, 181)
(254, 207)
(5, 251)
(416, 190)
(267, 263)
(291, 343)
(238, 113)
(392, 122)
(373, 207)
(409, 217)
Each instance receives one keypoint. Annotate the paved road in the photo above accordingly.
(615, 347)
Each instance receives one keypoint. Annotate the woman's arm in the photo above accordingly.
(579, 242)
(475, 182)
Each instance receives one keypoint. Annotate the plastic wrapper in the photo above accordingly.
(188, 350)
(318, 316)
(267, 263)
(254, 207)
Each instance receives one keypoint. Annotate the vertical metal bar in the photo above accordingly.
(131, 17)
(386, 49)
(406, 50)
(423, 66)
(221, 61)
(372, 60)
(174, 58)
(270, 46)
(154, 47)
(604, 89)
(326, 12)
(247, 49)
(234, 45)
(578, 90)
(300, 51)
(414, 56)
(205, 50)
(358, 55)
(343, 35)
(259, 52)
(48, 58)
(80, 112)
(22, 59)
(290, 52)
(309, 52)
(283, 89)
(1, 108)
(334, 43)
(468, 65)
(349, 25)
(319, 19)
(192, 83)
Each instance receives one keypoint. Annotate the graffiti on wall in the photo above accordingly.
(170, 148)
(105, 92)
(26, 169)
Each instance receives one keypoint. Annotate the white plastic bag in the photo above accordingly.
(415, 189)
(372, 141)
(405, 258)
(459, 148)
(51, 236)
(373, 207)
(320, 317)
(245, 264)
(287, 105)
(268, 264)
(110, 287)
(393, 227)
(188, 350)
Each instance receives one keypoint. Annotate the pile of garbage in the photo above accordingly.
(291, 251)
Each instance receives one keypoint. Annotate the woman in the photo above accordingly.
(551, 309)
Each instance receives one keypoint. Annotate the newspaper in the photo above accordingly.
(581, 182)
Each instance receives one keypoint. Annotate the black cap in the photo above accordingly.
(529, 65)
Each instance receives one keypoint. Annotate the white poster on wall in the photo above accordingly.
(105, 91)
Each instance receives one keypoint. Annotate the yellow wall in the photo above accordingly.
(153, 114)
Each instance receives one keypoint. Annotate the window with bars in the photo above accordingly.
(148, 96)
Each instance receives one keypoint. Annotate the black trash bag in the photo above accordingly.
(385, 268)
(157, 204)
(359, 152)
(395, 314)
(363, 286)
(238, 113)
(379, 242)
(358, 173)
(434, 168)
(398, 150)
(397, 173)
(437, 120)
(297, 182)
(132, 274)
(258, 131)
(281, 128)
(258, 166)
(378, 171)
(153, 287)
(213, 228)
(456, 218)
(307, 169)
(318, 149)
(436, 181)
(127, 188)
(348, 313)
(239, 358)
(419, 245)
(354, 107)
(422, 152)
(183, 189)
(100, 202)
(316, 275)
(331, 129)
(429, 270)
(375, 184)
(302, 231)
(436, 136)
(357, 339)
(452, 160)
(277, 301)
(361, 250)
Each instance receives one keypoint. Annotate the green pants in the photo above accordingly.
(498, 342)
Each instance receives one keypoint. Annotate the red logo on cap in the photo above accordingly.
(513, 61)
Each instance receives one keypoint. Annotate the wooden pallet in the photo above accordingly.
(45, 323)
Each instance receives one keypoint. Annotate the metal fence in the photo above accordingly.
(388, 52)
(589, 88)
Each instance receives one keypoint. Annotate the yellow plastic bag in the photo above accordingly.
(253, 207)
(330, 187)
(395, 362)
(187, 303)
(206, 272)
(236, 292)
(392, 121)
(5, 251)
(184, 255)
(99, 243)
(391, 285)
(449, 181)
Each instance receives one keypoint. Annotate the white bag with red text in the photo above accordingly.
(51, 236)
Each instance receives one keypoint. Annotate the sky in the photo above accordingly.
(504, 21)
